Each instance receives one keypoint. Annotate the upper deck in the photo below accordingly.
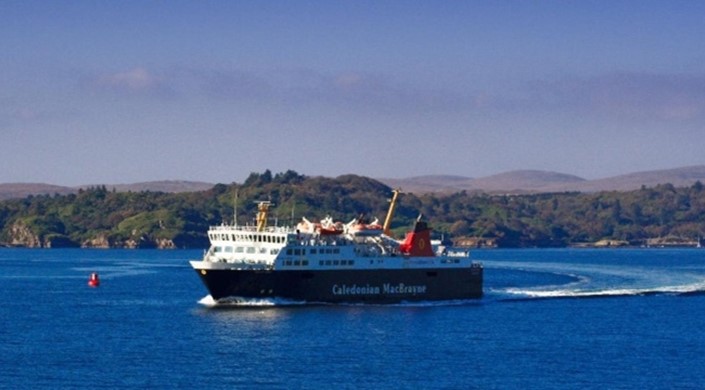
(324, 246)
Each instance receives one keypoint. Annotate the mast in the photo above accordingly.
(235, 209)
(293, 206)
(390, 212)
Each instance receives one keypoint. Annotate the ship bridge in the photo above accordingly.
(246, 245)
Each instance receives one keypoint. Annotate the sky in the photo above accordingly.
(112, 92)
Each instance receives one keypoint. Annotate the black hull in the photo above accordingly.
(365, 286)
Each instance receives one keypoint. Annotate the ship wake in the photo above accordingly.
(686, 290)
(592, 281)
(235, 302)
(238, 302)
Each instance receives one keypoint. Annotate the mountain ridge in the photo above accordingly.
(22, 190)
(511, 182)
(537, 181)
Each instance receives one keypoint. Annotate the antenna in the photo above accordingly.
(293, 206)
(235, 208)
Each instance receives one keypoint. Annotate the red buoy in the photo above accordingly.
(93, 281)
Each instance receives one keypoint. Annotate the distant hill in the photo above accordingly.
(523, 181)
(532, 181)
(22, 190)
(173, 186)
(514, 182)
(520, 181)
(679, 177)
(430, 183)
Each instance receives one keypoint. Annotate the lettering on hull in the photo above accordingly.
(386, 288)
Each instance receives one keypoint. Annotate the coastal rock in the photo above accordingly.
(141, 242)
(165, 243)
(22, 235)
(100, 241)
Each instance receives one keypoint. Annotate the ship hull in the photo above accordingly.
(358, 286)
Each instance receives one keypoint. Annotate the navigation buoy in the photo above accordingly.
(93, 281)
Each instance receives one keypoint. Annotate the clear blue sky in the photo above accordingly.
(120, 91)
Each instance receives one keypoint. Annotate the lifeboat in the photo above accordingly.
(305, 226)
(329, 228)
(325, 228)
(93, 280)
(329, 231)
(359, 227)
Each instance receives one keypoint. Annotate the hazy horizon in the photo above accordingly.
(127, 92)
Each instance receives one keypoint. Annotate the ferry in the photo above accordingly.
(332, 262)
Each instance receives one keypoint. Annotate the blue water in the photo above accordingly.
(551, 319)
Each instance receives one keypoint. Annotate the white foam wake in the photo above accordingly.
(276, 302)
(599, 280)
(573, 293)
(248, 302)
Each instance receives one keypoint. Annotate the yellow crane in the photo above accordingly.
(390, 212)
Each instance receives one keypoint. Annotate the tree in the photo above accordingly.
(460, 228)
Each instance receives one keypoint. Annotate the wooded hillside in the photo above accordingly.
(98, 217)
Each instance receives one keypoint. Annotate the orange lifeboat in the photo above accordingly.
(93, 280)
(329, 228)
(329, 231)
(360, 227)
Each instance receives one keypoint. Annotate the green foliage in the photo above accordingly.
(511, 220)
(160, 223)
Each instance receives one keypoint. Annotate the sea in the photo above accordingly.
(550, 319)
